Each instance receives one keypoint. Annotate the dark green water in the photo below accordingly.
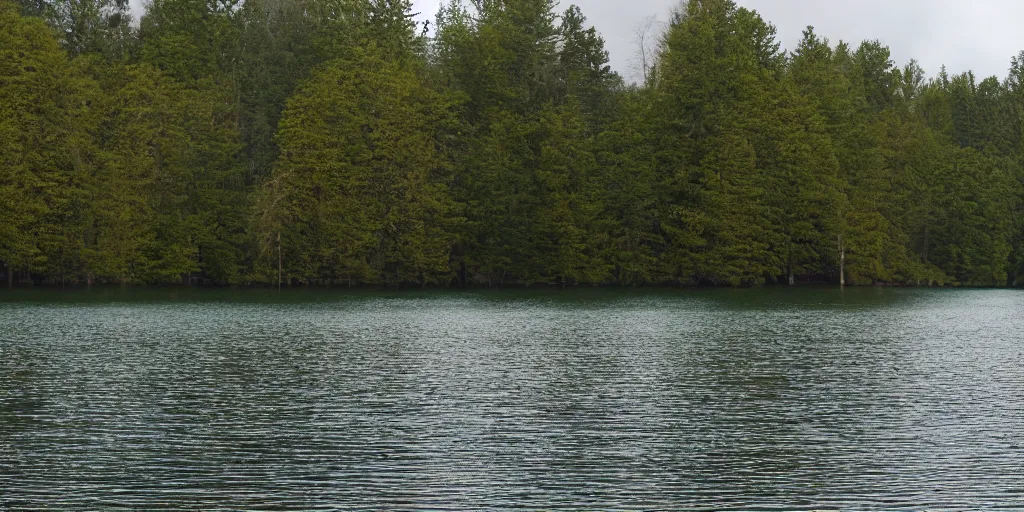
(780, 399)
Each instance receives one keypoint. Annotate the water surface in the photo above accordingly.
(769, 399)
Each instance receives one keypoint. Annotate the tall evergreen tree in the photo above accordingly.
(361, 189)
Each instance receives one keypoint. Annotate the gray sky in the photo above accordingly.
(978, 35)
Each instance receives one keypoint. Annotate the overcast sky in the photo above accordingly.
(978, 35)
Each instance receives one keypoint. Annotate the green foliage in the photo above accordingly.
(97, 27)
(39, 110)
(633, 201)
(335, 142)
(361, 191)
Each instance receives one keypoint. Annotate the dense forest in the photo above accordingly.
(338, 142)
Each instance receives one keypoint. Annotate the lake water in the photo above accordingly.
(770, 399)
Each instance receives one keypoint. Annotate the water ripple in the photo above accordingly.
(704, 401)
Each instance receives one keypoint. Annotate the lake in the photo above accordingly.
(772, 399)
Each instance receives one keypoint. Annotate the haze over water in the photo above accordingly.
(320, 400)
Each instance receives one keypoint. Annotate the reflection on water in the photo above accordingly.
(717, 400)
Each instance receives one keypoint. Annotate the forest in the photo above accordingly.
(341, 143)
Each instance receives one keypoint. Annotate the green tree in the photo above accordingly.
(714, 91)
(39, 143)
(360, 192)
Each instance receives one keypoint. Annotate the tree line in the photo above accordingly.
(339, 142)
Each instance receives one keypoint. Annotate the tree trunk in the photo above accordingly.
(924, 251)
(10, 277)
(842, 263)
(279, 261)
(789, 267)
